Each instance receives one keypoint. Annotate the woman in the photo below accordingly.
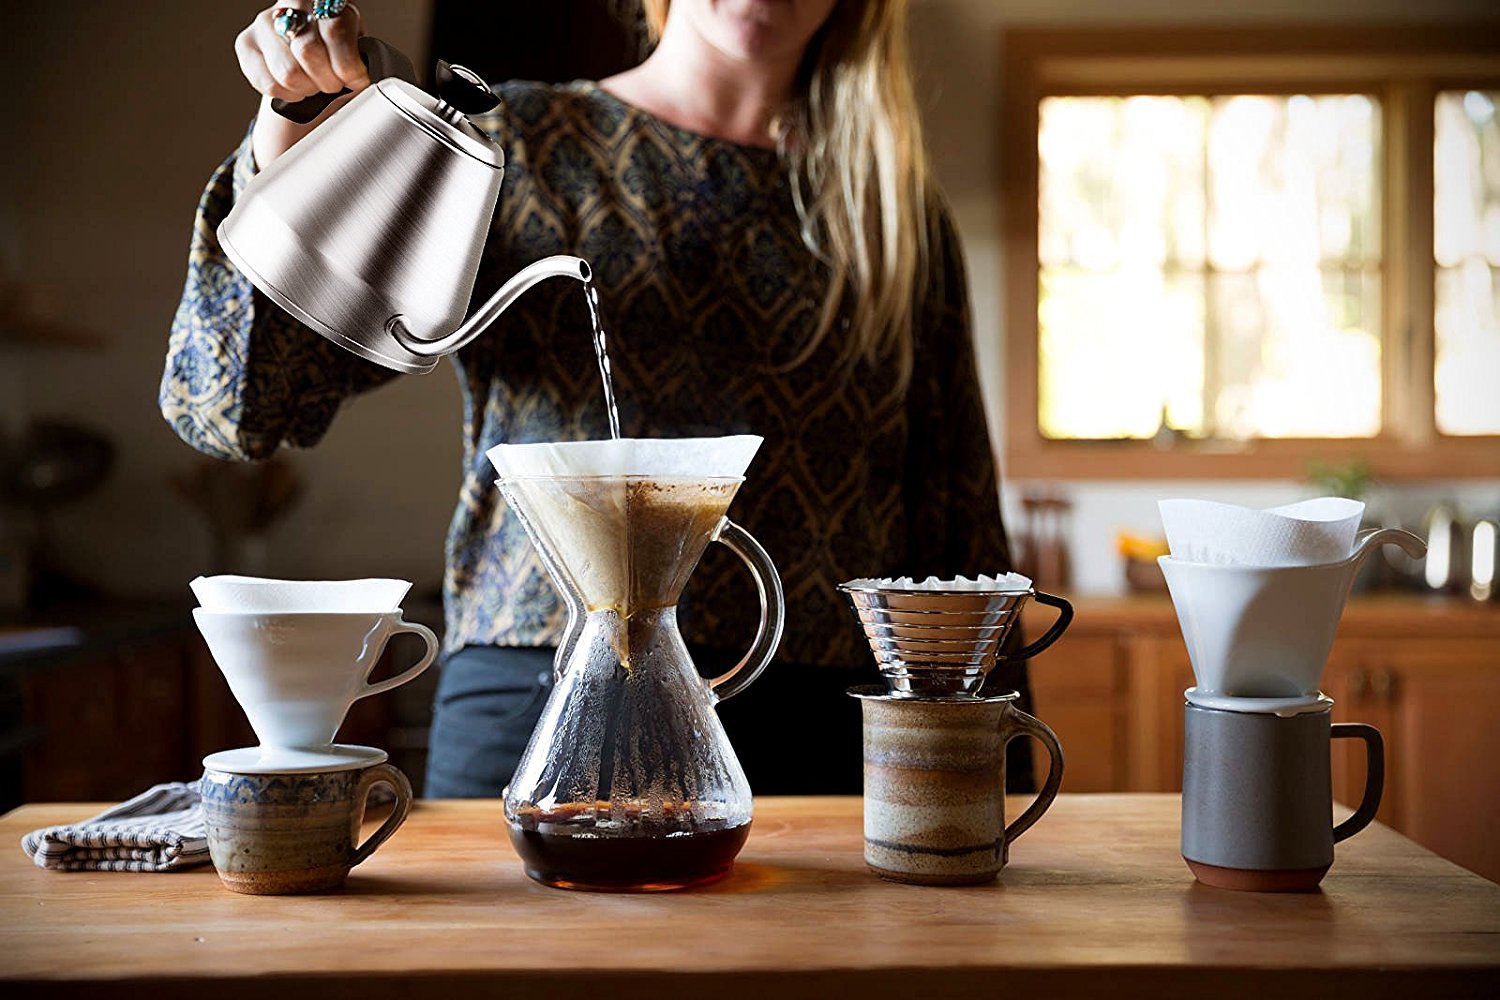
(771, 257)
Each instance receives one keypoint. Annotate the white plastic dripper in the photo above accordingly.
(1265, 631)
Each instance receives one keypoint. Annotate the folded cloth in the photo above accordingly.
(159, 830)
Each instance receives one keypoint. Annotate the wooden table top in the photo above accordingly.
(1095, 902)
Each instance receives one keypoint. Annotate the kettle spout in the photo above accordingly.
(561, 266)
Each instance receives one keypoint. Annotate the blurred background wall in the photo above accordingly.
(116, 114)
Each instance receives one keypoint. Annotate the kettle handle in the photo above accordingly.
(380, 58)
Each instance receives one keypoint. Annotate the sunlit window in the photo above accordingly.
(1212, 264)
(1466, 230)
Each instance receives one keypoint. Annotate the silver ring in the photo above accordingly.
(326, 9)
(287, 22)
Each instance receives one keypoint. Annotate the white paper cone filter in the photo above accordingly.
(1006, 583)
(1307, 533)
(255, 595)
(662, 458)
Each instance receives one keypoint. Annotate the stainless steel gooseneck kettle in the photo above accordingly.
(370, 229)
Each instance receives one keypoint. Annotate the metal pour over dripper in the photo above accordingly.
(941, 638)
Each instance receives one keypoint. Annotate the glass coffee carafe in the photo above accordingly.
(629, 782)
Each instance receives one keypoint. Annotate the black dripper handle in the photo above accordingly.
(381, 59)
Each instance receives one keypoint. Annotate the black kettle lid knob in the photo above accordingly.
(463, 89)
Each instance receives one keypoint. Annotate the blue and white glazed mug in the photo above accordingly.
(279, 833)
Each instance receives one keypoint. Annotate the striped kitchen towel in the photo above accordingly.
(157, 831)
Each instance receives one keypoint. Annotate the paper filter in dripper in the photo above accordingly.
(1307, 533)
(623, 521)
(256, 595)
(664, 458)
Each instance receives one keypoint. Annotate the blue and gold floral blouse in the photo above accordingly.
(708, 292)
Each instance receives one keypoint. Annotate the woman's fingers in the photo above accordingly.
(253, 66)
(322, 57)
(280, 62)
(312, 56)
(340, 38)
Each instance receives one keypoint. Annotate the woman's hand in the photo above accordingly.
(323, 57)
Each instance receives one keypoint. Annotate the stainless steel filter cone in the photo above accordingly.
(940, 643)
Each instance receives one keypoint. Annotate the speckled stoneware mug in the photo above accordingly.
(271, 834)
(935, 785)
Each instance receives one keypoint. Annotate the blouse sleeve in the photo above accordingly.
(953, 499)
(242, 376)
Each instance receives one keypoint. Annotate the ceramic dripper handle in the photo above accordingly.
(1370, 539)
(772, 610)
(433, 646)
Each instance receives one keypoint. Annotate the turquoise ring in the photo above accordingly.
(287, 22)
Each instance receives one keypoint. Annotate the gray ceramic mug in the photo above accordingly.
(1257, 796)
(935, 785)
(271, 834)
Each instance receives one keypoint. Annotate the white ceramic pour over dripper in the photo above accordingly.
(1266, 631)
(296, 655)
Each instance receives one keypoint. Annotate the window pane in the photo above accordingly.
(1297, 355)
(1214, 255)
(1466, 238)
(1116, 347)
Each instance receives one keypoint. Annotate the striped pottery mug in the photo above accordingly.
(935, 785)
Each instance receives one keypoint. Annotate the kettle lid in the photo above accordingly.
(445, 116)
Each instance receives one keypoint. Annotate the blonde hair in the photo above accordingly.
(852, 138)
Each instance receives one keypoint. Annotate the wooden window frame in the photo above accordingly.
(1405, 67)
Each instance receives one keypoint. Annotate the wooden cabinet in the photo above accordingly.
(1434, 701)
(1082, 688)
(1425, 672)
(144, 703)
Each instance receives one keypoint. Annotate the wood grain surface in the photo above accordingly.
(1095, 902)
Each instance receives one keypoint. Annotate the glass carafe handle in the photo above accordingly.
(772, 610)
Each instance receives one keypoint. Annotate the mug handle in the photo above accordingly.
(1021, 724)
(1374, 776)
(380, 774)
(772, 610)
(408, 674)
(1064, 619)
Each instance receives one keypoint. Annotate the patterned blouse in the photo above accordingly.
(708, 292)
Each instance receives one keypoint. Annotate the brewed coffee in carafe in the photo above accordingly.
(629, 781)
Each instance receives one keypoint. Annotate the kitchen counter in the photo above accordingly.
(1096, 902)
